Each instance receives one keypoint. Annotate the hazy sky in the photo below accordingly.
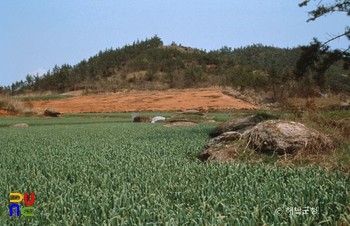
(37, 34)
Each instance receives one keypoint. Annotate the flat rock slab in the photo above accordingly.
(236, 124)
(20, 125)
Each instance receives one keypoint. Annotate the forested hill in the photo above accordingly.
(149, 65)
(264, 56)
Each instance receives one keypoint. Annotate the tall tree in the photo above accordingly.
(340, 6)
(318, 57)
(29, 80)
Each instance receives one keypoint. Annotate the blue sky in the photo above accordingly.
(37, 34)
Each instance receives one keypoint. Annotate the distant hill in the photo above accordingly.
(149, 65)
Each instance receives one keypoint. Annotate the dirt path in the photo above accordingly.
(154, 101)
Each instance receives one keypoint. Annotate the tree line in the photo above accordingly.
(149, 64)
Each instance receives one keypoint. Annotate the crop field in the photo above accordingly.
(110, 171)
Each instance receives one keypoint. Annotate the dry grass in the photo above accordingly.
(337, 159)
(36, 94)
(15, 106)
(343, 125)
(315, 102)
(73, 93)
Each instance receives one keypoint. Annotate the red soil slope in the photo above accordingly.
(145, 101)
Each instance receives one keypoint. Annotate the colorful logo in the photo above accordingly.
(27, 210)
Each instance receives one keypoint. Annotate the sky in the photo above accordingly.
(35, 35)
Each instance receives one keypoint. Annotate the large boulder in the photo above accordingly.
(51, 113)
(236, 124)
(287, 138)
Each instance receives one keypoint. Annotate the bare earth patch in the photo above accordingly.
(4, 113)
(145, 101)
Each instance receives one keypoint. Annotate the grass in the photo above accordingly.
(318, 102)
(13, 105)
(319, 119)
(220, 117)
(44, 97)
(109, 171)
(34, 121)
(188, 117)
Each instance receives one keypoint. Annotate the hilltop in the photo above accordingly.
(151, 65)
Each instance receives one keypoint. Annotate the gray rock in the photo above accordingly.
(236, 124)
(142, 118)
(51, 113)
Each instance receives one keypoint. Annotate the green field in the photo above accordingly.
(109, 171)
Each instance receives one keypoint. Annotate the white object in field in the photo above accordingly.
(324, 95)
(157, 118)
